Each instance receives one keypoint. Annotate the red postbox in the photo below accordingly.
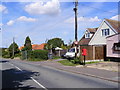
(84, 52)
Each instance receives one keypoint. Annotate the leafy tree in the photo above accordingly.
(15, 47)
(53, 43)
(27, 45)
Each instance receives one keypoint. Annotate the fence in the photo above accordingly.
(56, 52)
(93, 52)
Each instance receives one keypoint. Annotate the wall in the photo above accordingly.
(110, 42)
(98, 39)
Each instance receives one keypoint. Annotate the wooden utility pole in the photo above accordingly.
(76, 25)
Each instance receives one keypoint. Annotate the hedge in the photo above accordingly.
(39, 54)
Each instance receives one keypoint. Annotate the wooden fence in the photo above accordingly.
(93, 52)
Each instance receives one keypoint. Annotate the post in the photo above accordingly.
(84, 60)
(76, 39)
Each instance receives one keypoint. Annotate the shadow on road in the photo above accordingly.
(13, 79)
(4, 61)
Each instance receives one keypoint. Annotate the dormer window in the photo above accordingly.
(87, 35)
(105, 32)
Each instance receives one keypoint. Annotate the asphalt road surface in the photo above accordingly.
(19, 74)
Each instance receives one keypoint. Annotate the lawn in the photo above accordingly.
(67, 63)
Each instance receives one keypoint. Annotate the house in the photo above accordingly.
(89, 33)
(38, 47)
(35, 46)
(108, 27)
(94, 39)
(84, 43)
(113, 47)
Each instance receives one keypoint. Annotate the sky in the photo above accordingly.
(42, 21)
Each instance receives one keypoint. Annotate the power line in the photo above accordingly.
(97, 8)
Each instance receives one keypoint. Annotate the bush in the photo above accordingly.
(6, 56)
(39, 54)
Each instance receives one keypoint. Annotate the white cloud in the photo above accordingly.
(24, 18)
(21, 19)
(3, 9)
(115, 17)
(11, 22)
(50, 8)
(83, 19)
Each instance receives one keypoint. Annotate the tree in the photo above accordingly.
(13, 47)
(27, 45)
(53, 43)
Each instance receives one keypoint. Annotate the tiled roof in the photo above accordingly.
(35, 46)
(21, 47)
(115, 24)
(85, 41)
(92, 29)
(38, 47)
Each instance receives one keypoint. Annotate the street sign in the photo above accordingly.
(76, 42)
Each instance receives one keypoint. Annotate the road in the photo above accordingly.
(19, 74)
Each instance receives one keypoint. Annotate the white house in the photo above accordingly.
(94, 39)
(108, 27)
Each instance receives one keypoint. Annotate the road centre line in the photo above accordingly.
(30, 77)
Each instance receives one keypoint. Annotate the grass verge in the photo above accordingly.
(36, 60)
(67, 63)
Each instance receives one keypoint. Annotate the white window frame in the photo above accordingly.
(105, 32)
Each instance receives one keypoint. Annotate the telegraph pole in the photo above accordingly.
(76, 25)
(13, 47)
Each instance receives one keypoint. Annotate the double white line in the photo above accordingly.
(30, 77)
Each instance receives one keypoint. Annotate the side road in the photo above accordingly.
(88, 71)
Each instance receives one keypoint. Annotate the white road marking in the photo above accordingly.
(30, 77)
(15, 66)
(38, 83)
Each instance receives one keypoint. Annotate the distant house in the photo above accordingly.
(113, 47)
(94, 39)
(36, 47)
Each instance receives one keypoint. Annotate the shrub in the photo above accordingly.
(6, 56)
(39, 54)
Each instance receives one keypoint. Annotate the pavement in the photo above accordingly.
(29, 74)
(84, 70)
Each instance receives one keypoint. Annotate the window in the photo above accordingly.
(116, 46)
(87, 35)
(72, 50)
(105, 32)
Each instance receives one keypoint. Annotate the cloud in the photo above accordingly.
(3, 9)
(24, 18)
(21, 19)
(115, 17)
(50, 8)
(83, 19)
(11, 22)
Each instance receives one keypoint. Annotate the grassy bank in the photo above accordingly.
(67, 63)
